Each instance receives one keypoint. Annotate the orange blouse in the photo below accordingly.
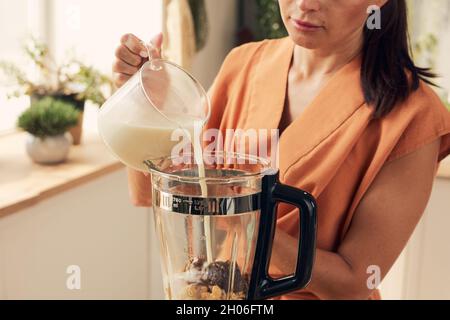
(334, 149)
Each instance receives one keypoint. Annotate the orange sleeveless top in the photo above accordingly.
(334, 149)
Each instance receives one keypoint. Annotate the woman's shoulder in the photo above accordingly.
(419, 120)
(426, 106)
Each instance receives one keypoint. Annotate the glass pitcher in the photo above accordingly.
(138, 121)
(216, 231)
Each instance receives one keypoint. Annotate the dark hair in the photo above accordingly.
(388, 73)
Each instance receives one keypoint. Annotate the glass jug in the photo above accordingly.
(216, 231)
(138, 121)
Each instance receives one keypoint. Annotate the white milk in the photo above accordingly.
(198, 155)
(133, 142)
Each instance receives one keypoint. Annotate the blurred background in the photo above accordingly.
(57, 55)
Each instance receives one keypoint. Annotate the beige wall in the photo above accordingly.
(221, 40)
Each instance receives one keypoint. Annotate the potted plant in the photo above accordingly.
(71, 81)
(47, 121)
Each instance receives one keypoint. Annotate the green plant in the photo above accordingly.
(86, 83)
(48, 117)
(270, 23)
(71, 77)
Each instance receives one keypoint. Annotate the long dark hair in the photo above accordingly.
(388, 73)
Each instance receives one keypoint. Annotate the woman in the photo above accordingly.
(361, 130)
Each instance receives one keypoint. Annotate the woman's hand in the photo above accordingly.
(130, 56)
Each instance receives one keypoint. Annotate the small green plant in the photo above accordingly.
(48, 117)
(71, 77)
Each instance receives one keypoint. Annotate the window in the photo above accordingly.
(90, 29)
(15, 24)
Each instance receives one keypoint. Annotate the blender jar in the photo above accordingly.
(216, 231)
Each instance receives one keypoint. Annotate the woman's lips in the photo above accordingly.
(305, 26)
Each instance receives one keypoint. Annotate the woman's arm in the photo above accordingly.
(140, 188)
(382, 225)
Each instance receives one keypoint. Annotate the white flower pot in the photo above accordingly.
(48, 150)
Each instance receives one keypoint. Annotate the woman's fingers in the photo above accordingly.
(131, 54)
(121, 66)
(135, 45)
(124, 54)
(128, 59)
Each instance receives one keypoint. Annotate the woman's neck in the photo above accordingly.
(312, 63)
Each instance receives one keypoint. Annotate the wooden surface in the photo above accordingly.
(24, 183)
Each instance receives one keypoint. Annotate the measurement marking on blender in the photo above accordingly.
(205, 206)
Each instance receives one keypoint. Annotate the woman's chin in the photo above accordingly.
(305, 41)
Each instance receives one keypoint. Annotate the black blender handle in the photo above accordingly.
(262, 286)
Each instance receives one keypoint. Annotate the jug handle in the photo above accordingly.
(262, 286)
(150, 47)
